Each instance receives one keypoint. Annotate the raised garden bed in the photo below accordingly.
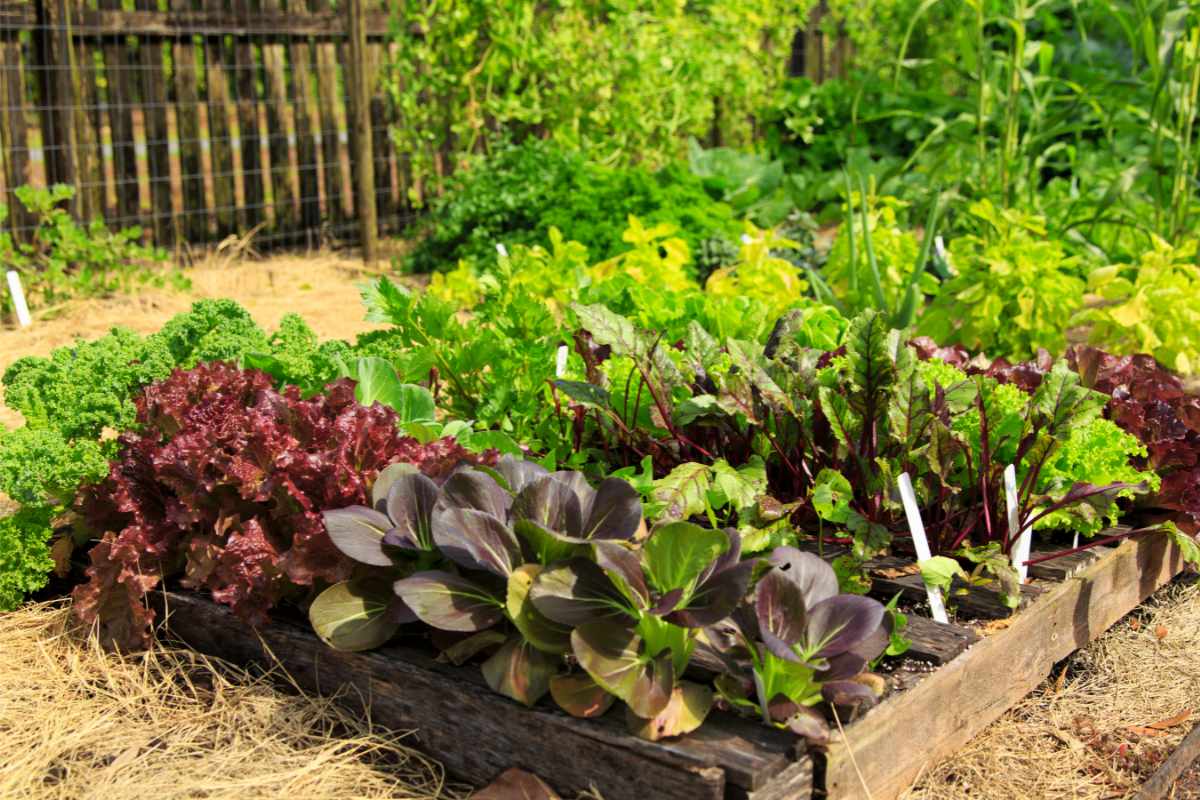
(955, 680)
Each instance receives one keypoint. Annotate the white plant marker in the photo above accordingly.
(939, 247)
(936, 607)
(18, 297)
(560, 363)
(502, 250)
(1021, 541)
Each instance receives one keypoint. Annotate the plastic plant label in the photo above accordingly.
(560, 362)
(1020, 538)
(18, 296)
(936, 606)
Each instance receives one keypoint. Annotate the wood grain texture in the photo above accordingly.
(937, 643)
(893, 742)
(478, 734)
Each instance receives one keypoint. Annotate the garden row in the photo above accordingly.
(605, 485)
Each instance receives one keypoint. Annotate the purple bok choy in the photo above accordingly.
(798, 643)
(497, 530)
(635, 610)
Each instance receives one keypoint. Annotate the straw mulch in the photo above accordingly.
(1100, 727)
(79, 723)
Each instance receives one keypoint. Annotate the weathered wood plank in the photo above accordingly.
(158, 152)
(89, 160)
(184, 23)
(278, 129)
(307, 164)
(935, 642)
(254, 177)
(478, 734)
(121, 100)
(942, 712)
(331, 99)
(981, 602)
(13, 135)
(191, 164)
(1160, 783)
(220, 132)
(1063, 567)
(361, 142)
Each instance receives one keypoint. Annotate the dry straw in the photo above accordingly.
(77, 722)
(1099, 728)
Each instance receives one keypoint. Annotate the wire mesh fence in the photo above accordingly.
(196, 119)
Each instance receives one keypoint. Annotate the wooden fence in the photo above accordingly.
(202, 119)
(199, 119)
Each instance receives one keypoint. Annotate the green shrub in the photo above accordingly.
(64, 258)
(520, 193)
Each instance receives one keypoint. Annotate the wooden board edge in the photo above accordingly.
(904, 735)
(1159, 784)
(288, 653)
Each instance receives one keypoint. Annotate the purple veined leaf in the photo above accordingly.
(383, 483)
(399, 612)
(684, 713)
(716, 597)
(614, 656)
(579, 695)
(520, 671)
(476, 540)
(666, 603)
(840, 623)
(577, 592)
(358, 532)
(472, 488)
(800, 720)
(577, 483)
(409, 503)
(552, 505)
(624, 567)
(873, 644)
(542, 546)
(449, 602)
(816, 579)
(613, 511)
(848, 693)
(779, 610)
(519, 473)
(842, 667)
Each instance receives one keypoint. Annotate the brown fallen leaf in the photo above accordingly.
(516, 784)
(997, 625)
(1171, 722)
(1161, 727)
(1144, 731)
(897, 572)
(1160, 632)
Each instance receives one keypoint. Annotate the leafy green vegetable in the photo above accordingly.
(25, 561)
